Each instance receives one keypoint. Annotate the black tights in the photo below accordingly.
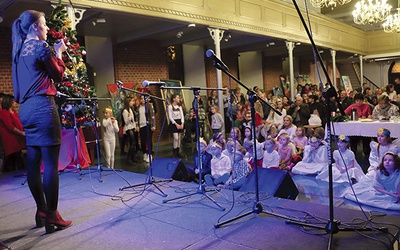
(46, 192)
(132, 143)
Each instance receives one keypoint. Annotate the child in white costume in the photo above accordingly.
(315, 158)
(110, 125)
(345, 168)
(387, 179)
(271, 156)
(379, 149)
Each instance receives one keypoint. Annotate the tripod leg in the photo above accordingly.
(211, 199)
(162, 193)
(233, 219)
(177, 198)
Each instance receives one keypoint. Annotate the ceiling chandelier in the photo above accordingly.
(328, 3)
(392, 23)
(371, 12)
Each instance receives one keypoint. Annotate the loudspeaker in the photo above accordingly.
(168, 168)
(274, 182)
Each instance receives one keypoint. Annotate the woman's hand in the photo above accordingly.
(59, 48)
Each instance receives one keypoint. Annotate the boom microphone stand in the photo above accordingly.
(332, 227)
(150, 178)
(201, 188)
(257, 207)
(99, 167)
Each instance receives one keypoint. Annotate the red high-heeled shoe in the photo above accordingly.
(40, 218)
(54, 219)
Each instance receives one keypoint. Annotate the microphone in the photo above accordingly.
(217, 62)
(59, 94)
(146, 83)
(119, 84)
(67, 44)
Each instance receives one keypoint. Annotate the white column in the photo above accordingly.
(333, 55)
(361, 57)
(217, 35)
(290, 47)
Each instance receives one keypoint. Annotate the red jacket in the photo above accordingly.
(11, 142)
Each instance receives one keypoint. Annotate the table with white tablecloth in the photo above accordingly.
(368, 128)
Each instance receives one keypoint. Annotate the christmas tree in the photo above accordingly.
(76, 81)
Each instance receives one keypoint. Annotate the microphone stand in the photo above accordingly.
(332, 227)
(201, 188)
(150, 178)
(99, 166)
(252, 96)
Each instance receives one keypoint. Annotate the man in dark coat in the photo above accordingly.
(300, 112)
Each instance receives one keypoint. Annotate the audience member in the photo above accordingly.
(217, 121)
(346, 167)
(300, 140)
(384, 109)
(344, 100)
(194, 170)
(387, 179)
(221, 166)
(390, 92)
(12, 134)
(363, 111)
(315, 157)
(378, 149)
(288, 127)
(300, 112)
(240, 170)
(285, 152)
(271, 156)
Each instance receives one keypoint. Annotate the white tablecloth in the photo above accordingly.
(367, 129)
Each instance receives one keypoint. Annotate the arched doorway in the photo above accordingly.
(394, 71)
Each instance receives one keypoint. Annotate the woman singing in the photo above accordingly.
(35, 66)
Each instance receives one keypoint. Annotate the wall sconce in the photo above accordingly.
(179, 34)
(227, 37)
(98, 20)
(270, 44)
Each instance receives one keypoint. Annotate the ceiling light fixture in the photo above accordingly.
(328, 3)
(392, 23)
(370, 13)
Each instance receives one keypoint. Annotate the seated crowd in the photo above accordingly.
(288, 142)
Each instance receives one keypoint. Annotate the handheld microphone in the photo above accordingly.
(217, 62)
(119, 84)
(67, 44)
(59, 94)
(146, 83)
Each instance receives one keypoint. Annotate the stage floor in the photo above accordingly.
(106, 218)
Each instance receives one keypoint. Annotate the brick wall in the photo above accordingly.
(5, 61)
(272, 66)
(211, 72)
(142, 60)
